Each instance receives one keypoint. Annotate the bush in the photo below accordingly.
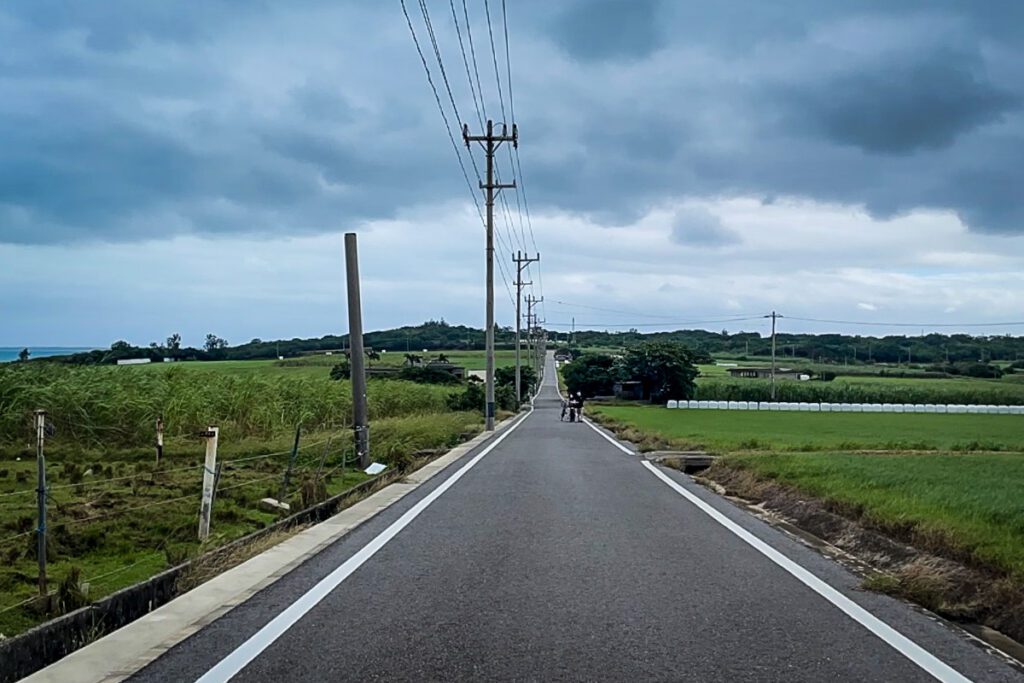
(342, 370)
(428, 375)
(472, 398)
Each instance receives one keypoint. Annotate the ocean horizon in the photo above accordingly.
(9, 353)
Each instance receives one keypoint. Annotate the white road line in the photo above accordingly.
(906, 647)
(262, 639)
(609, 439)
(891, 636)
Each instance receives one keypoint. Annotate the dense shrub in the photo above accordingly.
(428, 375)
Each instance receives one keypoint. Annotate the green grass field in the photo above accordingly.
(725, 430)
(973, 502)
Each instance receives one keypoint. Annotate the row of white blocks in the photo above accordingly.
(848, 407)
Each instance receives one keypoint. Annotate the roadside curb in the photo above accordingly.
(120, 654)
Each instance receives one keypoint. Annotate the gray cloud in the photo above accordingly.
(697, 227)
(609, 29)
(899, 107)
(130, 121)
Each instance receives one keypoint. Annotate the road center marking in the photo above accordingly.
(262, 639)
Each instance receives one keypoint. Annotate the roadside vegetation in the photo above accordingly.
(116, 517)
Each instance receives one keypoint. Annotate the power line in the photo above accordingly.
(472, 52)
(494, 56)
(518, 169)
(440, 108)
(465, 61)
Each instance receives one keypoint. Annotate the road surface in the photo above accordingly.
(555, 555)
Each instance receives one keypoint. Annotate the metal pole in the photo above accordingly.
(41, 499)
(355, 337)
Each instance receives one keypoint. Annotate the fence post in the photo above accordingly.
(41, 498)
(209, 477)
(291, 465)
(159, 440)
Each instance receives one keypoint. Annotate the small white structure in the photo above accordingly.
(672, 404)
(133, 361)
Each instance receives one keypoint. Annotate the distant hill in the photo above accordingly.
(437, 335)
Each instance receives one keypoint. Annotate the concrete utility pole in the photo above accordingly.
(522, 261)
(531, 328)
(355, 343)
(490, 142)
(773, 316)
(209, 481)
(41, 498)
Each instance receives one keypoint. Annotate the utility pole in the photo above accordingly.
(209, 481)
(531, 327)
(773, 316)
(41, 499)
(355, 343)
(490, 142)
(522, 261)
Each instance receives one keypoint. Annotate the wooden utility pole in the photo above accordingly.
(41, 498)
(490, 142)
(522, 261)
(360, 422)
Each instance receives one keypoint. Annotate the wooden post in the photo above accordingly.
(41, 499)
(159, 440)
(209, 478)
(291, 465)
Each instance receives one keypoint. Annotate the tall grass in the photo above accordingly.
(118, 406)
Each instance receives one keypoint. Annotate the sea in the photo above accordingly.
(9, 353)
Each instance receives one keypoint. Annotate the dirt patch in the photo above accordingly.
(907, 562)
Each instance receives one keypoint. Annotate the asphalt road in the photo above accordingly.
(557, 556)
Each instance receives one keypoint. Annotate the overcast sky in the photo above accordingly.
(168, 168)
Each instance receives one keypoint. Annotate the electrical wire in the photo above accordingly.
(440, 108)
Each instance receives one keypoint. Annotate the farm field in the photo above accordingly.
(971, 502)
(722, 431)
(115, 517)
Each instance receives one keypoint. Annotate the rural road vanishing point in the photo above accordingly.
(551, 552)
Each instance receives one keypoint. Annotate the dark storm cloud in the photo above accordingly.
(609, 29)
(899, 108)
(123, 121)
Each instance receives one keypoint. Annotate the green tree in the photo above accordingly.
(664, 369)
(592, 374)
(214, 343)
(23, 355)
